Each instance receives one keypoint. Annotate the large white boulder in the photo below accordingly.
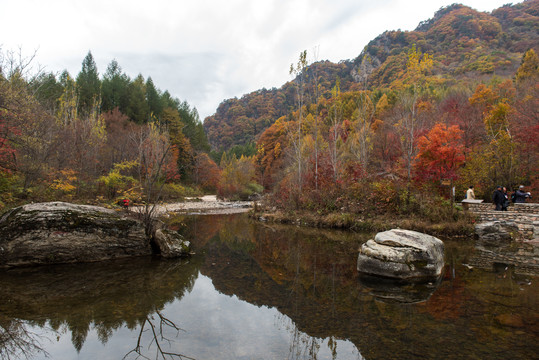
(402, 254)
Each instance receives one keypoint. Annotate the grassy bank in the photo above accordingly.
(464, 226)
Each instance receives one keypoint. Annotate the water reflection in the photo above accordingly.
(104, 296)
(390, 290)
(17, 341)
(271, 292)
(309, 275)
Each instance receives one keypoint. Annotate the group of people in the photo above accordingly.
(501, 199)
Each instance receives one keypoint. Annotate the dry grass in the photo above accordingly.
(461, 227)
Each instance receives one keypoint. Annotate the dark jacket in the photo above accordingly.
(498, 199)
(520, 196)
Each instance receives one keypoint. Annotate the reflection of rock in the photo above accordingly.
(523, 256)
(58, 232)
(397, 291)
(402, 254)
(504, 242)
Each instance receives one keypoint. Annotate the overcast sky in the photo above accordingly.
(205, 51)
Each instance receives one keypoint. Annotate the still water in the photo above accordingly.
(260, 291)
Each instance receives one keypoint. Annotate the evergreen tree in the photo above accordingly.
(155, 104)
(47, 91)
(169, 101)
(194, 130)
(88, 85)
(185, 158)
(114, 89)
(137, 108)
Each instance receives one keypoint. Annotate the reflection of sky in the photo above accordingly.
(216, 326)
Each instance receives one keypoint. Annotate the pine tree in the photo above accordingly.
(88, 85)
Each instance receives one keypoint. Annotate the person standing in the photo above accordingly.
(505, 204)
(498, 198)
(520, 195)
(470, 195)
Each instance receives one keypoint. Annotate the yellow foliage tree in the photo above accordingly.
(237, 178)
(64, 182)
(117, 183)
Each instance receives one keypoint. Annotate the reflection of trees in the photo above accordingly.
(16, 341)
(304, 346)
(311, 278)
(105, 296)
(307, 277)
(158, 337)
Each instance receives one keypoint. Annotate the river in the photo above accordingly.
(260, 291)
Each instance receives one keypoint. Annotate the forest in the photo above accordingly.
(453, 103)
(95, 139)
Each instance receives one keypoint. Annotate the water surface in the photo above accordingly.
(259, 291)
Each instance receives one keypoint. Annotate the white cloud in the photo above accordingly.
(205, 51)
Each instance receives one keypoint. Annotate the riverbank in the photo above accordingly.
(208, 205)
(353, 222)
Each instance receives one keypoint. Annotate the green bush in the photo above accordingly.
(174, 192)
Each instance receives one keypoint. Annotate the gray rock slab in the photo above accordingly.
(58, 232)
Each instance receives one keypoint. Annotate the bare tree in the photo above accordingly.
(300, 71)
(359, 144)
(153, 151)
(335, 116)
(15, 63)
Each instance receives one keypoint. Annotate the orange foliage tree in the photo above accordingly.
(496, 161)
(440, 153)
(269, 159)
(206, 173)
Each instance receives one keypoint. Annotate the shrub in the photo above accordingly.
(173, 191)
(115, 182)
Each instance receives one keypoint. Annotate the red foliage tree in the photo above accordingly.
(440, 153)
(206, 173)
(457, 110)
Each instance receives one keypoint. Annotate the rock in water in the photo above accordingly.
(402, 254)
(59, 232)
(171, 244)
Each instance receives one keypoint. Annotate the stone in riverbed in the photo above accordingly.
(171, 244)
(402, 254)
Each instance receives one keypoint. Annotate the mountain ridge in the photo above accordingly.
(466, 45)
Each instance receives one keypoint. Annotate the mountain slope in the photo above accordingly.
(466, 45)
